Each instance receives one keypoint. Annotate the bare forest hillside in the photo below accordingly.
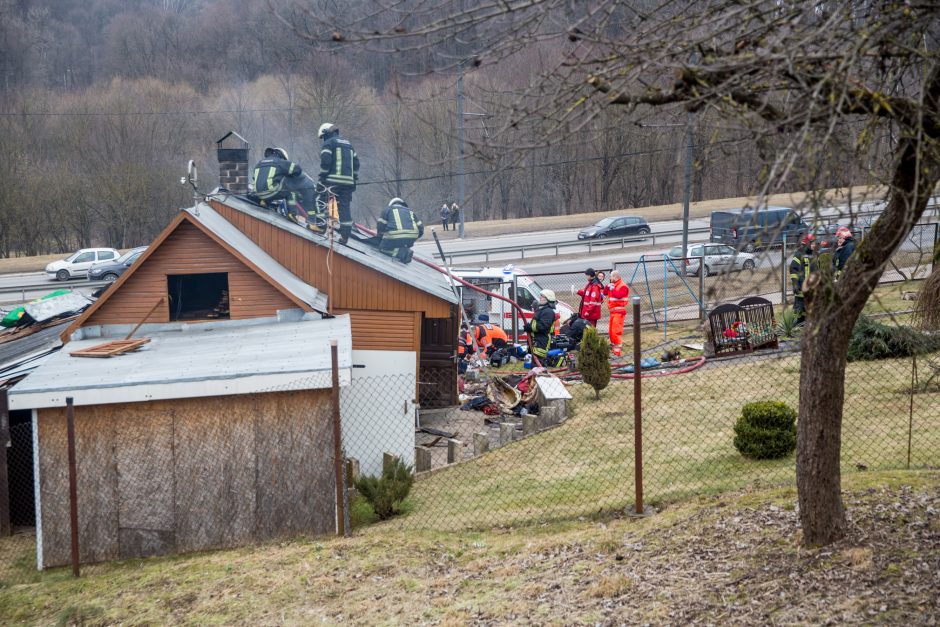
(104, 101)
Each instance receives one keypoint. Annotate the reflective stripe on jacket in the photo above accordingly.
(339, 163)
(269, 175)
(399, 224)
(800, 267)
(542, 325)
(617, 295)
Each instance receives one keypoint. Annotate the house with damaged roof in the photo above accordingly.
(217, 431)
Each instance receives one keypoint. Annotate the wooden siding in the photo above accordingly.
(384, 330)
(187, 250)
(188, 474)
(355, 287)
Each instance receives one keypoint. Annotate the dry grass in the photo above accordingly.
(710, 560)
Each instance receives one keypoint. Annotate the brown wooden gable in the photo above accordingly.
(353, 287)
(185, 247)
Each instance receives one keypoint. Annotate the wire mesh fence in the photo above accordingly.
(521, 447)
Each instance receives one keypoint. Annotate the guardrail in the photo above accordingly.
(22, 290)
(621, 242)
(591, 244)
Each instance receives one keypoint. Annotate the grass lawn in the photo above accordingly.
(699, 561)
(585, 466)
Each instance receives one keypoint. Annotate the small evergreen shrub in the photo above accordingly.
(873, 340)
(766, 430)
(594, 360)
(386, 493)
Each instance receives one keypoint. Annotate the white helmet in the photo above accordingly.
(397, 201)
(549, 295)
(325, 128)
(275, 152)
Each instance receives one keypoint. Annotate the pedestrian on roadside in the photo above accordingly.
(445, 215)
(455, 215)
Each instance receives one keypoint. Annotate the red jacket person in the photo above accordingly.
(592, 297)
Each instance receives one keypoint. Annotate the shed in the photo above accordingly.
(192, 442)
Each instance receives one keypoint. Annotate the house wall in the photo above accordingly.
(188, 251)
(186, 475)
(378, 408)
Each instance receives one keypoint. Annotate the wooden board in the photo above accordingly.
(110, 349)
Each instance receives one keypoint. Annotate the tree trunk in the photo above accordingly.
(832, 309)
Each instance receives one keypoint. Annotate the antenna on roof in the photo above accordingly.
(192, 178)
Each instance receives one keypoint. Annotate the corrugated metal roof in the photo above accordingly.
(228, 233)
(415, 274)
(21, 355)
(231, 357)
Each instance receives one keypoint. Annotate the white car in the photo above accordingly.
(78, 263)
(718, 258)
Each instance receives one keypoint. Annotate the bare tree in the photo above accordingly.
(813, 84)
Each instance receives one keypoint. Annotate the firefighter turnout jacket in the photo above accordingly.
(542, 326)
(399, 226)
(269, 174)
(800, 268)
(339, 163)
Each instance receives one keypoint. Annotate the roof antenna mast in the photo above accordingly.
(192, 179)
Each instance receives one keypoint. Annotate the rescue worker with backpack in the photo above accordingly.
(617, 293)
(802, 264)
(592, 297)
(398, 228)
(339, 172)
(542, 324)
(276, 177)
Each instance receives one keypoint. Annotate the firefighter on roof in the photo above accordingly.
(398, 228)
(339, 172)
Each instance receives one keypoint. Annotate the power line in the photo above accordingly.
(547, 164)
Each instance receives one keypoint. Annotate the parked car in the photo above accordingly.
(718, 258)
(621, 226)
(78, 263)
(750, 229)
(110, 270)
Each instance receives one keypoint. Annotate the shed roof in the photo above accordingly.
(194, 360)
(226, 231)
(415, 273)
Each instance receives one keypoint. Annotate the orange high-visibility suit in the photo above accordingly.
(617, 294)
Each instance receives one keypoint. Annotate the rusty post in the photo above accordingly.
(5, 527)
(338, 445)
(73, 482)
(637, 408)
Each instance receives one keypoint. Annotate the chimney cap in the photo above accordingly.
(220, 143)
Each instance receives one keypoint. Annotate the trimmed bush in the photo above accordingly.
(386, 493)
(766, 430)
(594, 360)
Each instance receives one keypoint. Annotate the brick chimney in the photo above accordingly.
(232, 151)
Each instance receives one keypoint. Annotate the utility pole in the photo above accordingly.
(687, 193)
(460, 152)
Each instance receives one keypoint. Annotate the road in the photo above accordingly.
(23, 287)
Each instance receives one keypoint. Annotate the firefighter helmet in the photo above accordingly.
(274, 151)
(397, 201)
(325, 129)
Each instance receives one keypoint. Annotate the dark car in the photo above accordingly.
(750, 229)
(620, 226)
(111, 270)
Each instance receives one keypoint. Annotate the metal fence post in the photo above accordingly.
(73, 482)
(783, 272)
(515, 316)
(637, 408)
(701, 286)
(910, 418)
(338, 445)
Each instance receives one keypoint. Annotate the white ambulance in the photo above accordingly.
(501, 281)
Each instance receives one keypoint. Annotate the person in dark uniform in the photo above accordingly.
(542, 324)
(276, 177)
(339, 172)
(398, 228)
(801, 266)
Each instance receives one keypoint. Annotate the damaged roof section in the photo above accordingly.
(415, 273)
(290, 352)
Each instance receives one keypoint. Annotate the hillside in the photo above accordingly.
(730, 558)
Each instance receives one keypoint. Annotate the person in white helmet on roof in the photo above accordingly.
(397, 229)
(276, 177)
(339, 172)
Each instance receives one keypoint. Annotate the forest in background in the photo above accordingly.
(104, 101)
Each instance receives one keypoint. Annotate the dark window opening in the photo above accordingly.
(198, 296)
(20, 469)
